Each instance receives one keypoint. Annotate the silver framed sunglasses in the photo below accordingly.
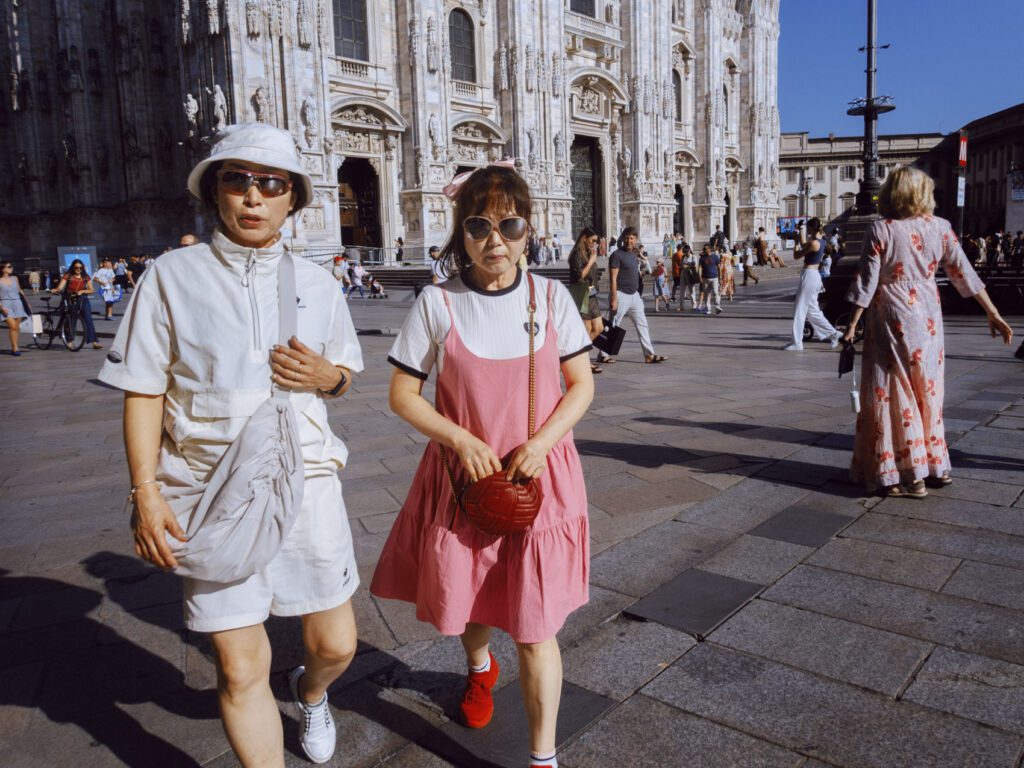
(480, 227)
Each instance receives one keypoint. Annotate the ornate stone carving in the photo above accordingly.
(390, 145)
(261, 105)
(648, 162)
(220, 107)
(468, 131)
(559, 153)
(557, 74)
(309, 112)
(355, 141)
(213, 17)
(414, 42)
(625, 161)
(502, 67)
(185, 21)
(359, 115)
(328, 144)
(589, 101)
(304, 23)
(531, 67)
(253, 18)
(70, 144)
(433, 46)
(543, 81)
(132, 151)
(668, 100)
(647, 94)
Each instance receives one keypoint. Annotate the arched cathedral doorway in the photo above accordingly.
(586, 185)
(359, 203)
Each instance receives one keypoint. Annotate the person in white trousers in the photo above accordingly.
(624, 295)
(806, 308)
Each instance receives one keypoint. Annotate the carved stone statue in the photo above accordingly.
(310, 114)
(531, 144)
(557, 75)
(414, 43)
(213, 17)
(559, 153)
(648, 162)
(253, 18)
(220, 107)
(261, 105)
(328, 143)
(625, 161)
(186, 21)
(71, 153)
(531, 67)
(191, 113)
(131, 141)
(437, 143)
(24, 172)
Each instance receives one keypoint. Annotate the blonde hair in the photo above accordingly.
(907, 192)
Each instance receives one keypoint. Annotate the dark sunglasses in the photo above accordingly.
(238, 182)
(480, 227)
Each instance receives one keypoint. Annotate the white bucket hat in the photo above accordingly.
(256, 143)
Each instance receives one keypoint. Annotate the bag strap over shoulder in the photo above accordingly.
(288, 316)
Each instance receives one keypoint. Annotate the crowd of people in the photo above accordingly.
(998, 248)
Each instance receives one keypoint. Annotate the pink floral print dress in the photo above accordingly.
(900, 434)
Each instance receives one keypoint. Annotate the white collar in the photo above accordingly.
(239, 256)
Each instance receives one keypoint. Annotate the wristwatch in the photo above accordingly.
(337, 387)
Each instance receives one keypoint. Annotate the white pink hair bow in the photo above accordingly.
(453, 187)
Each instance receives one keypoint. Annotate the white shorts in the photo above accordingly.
(315, 570)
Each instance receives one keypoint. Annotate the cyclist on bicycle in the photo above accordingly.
(77, 283)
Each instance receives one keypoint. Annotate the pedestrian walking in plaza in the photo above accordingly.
(187, 240)
(492, 331)
(34, 280)
(78, 284)
(197, 367)
(660, 285)
(806, 308)
(121, 274)
(900, 440)
(108, 290)
(707, 269)
(136, 267)
(583, 284)
(12, 304)
(677, 272)
(727, 278)
(748, 263)
(691, 281)
(624, 298)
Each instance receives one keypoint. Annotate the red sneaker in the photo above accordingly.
(477, 704)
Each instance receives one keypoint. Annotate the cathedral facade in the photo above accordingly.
(659, 114)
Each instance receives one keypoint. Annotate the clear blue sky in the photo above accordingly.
(950, 62)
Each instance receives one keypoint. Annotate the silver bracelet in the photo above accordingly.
(131, 494)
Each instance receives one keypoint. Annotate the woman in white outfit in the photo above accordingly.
(807, 309)
(196, 357)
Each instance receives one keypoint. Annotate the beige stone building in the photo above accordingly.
(657, 113)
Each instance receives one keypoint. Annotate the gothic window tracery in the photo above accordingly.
(350, 33)
(462, 46)
(584, 7)
(677, 87)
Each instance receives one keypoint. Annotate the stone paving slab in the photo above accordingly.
(937, 618)
(833, 721)
(695, 601)
(841, 650)
(756, 559)
(951, 540)
(973, 687)
(957, 512)
(646, 733)
(802, 525)
(886, 563)
(622, 655)
(744, 506)
(992, 584)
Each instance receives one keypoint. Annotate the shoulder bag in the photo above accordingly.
(237, 520)
(493, 504)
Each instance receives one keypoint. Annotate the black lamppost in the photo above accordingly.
(871, 106)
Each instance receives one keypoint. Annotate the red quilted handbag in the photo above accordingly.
(493, 504)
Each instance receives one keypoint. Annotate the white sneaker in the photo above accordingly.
(834, 341)
(319, 734)
(792, 348)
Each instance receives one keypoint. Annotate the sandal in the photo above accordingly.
(654, 359)
(595, 368)
(915, 490)
(941, 481)
(607, 361)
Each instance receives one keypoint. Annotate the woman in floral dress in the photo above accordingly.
(900, 438)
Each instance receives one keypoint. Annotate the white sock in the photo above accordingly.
(543, 759)
(485, 667)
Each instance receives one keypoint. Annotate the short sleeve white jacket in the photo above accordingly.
(199, 329)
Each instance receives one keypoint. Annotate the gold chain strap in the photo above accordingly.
(532, 416)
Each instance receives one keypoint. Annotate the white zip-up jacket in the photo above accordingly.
(199, 329)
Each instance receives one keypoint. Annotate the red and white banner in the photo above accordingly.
(963, 149)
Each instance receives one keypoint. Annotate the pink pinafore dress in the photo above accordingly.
(525, 584)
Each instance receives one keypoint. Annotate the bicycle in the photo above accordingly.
(64, 321)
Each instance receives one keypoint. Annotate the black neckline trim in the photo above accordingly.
(500, 291)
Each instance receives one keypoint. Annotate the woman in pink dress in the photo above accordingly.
(900, 438)
(474, 329)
